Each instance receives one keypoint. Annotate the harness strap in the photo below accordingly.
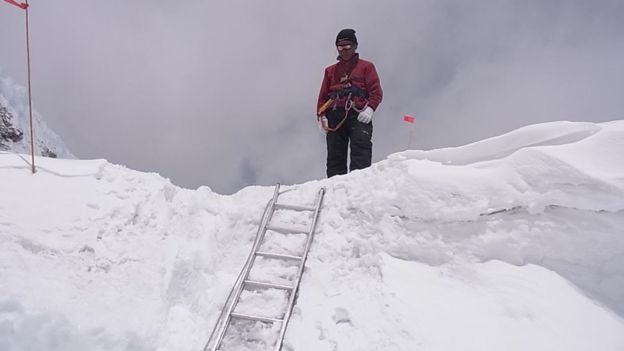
(351, 91)
(348, 106)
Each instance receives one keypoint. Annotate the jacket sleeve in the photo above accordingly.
(324, 90)
(373, 86)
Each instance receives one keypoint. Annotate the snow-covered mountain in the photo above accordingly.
(14, 125)
(511, 243)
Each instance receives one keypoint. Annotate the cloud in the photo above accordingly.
(222, 93)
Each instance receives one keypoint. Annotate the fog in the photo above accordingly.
(223, 93)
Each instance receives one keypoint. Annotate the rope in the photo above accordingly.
(348, 106)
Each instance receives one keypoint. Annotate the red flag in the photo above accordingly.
(409, 119)
(22, 6)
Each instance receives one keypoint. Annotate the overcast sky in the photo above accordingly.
(223, 93)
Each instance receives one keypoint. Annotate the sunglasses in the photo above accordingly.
(344, 47)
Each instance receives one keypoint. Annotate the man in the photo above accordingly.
(349, 95)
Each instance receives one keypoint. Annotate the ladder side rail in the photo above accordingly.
(293, 294)
(224, 318)
(244, 274)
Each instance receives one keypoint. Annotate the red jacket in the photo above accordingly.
(363, 75)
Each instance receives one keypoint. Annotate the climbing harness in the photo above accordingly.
(335, 97)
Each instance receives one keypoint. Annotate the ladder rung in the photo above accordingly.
(277, 255)
(295, 207)
(287, 230)
(268, 285)
(255, 318)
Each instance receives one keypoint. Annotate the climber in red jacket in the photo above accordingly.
(350, 94)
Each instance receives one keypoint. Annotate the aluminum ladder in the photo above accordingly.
(243, 283)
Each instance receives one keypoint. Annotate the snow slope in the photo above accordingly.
(511, 243)
(14, 125)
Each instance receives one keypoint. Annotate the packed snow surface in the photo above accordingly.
(511, 243)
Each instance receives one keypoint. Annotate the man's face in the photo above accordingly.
(346, 49)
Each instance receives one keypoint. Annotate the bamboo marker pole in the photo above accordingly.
(32, 139)
(410, 119)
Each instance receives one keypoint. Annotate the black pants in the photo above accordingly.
(357, 133)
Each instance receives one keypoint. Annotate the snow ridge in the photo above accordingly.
(515, 244)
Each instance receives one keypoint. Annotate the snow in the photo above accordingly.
(14, 99)
(514, 243)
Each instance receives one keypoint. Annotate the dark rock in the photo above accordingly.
(8, 133)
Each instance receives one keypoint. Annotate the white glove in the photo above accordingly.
(366, 116)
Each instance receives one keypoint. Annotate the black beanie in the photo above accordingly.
(346, 34)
